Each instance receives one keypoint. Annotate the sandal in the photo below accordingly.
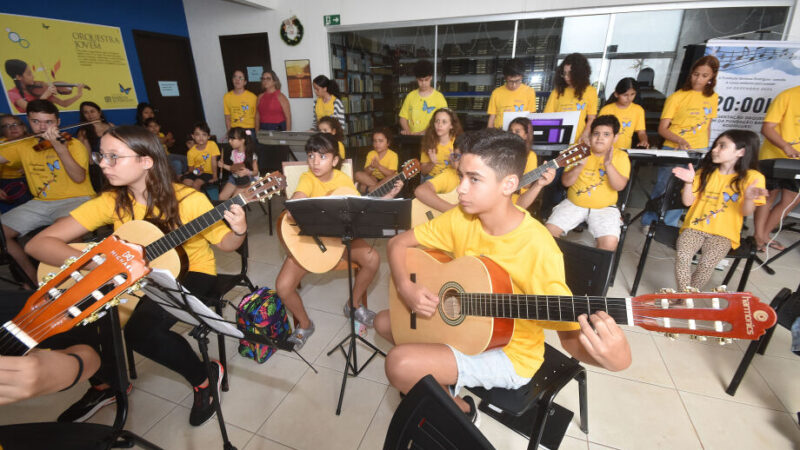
(300, 336)
(775, 245)
(362, 314)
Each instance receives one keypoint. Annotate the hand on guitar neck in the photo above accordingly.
(600, 342)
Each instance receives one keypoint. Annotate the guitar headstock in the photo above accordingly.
(726, 315)
(573, 154)
(76, 295)
(264, 188)
(410, 168)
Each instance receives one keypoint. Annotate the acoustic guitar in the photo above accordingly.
(421, 213)
(318, 254)
(477, 307)
(78, 295)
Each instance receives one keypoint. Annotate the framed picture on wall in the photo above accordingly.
(298, 78)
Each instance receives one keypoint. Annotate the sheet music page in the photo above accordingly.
(658, 152)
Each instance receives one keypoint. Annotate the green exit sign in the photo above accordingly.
(333, 19)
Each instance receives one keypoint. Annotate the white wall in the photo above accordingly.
(208, 19)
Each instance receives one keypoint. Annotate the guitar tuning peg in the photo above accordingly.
(728, 341)
(723, 341)
(721, 288)
(671, 336)
(691, 289)
(667, 291)
(701, 338)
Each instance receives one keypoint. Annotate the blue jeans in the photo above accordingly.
(178, 163)
(673, 216)
(274, 126)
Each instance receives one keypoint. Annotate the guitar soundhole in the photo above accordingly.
(450, 304)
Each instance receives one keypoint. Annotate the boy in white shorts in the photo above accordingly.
(487, 222)
(593, 184)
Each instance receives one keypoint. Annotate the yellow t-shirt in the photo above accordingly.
(418, 110)
(389, 160)
(718, 209)
(504, 100)
(341, 150)
(312, 186)
(442, 157)
(592, 190)
(445, 182)
(532, 163)
(44, 171)
(11, 170)
(323, 109)
(241, 108)
(202, 158)
(785, 111)
(528, 254)
(161, 137)
(631, 120)
(99, 211)
(587, 105)
(691, 113)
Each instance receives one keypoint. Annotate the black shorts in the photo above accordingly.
(781, 183)
(203, 176)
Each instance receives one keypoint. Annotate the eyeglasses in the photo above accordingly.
(514, 81)
(238, 78)
(265, 78)
(110, 158)
(10, 125)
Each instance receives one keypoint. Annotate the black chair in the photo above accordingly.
(18, 276)
(531, 410)
(427, 418)
(86, 436)
(787, 306)
(668, 235)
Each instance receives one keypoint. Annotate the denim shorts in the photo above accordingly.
(489, 369)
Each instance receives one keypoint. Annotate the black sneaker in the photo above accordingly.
(472, 414)
(89, 404)
(203, 407)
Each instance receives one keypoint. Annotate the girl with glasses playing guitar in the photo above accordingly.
(142, 186)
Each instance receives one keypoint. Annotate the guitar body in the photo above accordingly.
(138, 232)
(421, 213)
(305, 249)
(437, 271)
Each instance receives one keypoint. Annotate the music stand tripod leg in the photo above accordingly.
(351, 357)
(200, 333)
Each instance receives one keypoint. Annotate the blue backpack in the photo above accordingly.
(262, 312)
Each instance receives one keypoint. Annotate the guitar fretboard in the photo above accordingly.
(387, 186)
(10, 345)
(537, 173)
(182, 234)
(559, 308)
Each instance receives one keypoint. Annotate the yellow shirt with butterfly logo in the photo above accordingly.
(44, 171)
(202, 158)
(10, 170)
(718, 209)
(631, 120)
(587, 105)
(312, 186)
(690, 113)
(418, 110)
(785, 111)
(505, 100)
(528, 254)
(241, 108)
(389, 161)
(192, 204)
(442, 158)
(592, 189)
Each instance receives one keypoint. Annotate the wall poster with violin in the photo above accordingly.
(64, 62)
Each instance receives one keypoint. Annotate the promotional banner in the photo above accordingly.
(751, 74)
(64, 62)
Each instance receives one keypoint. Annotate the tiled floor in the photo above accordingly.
(671, 397)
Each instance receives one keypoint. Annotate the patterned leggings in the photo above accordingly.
(689, 242)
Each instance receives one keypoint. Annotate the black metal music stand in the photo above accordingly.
(164, 290)
(350, 218)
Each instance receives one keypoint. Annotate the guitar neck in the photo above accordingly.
(558, 308)
(537, 173)
(387, 186)
(182, 234)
